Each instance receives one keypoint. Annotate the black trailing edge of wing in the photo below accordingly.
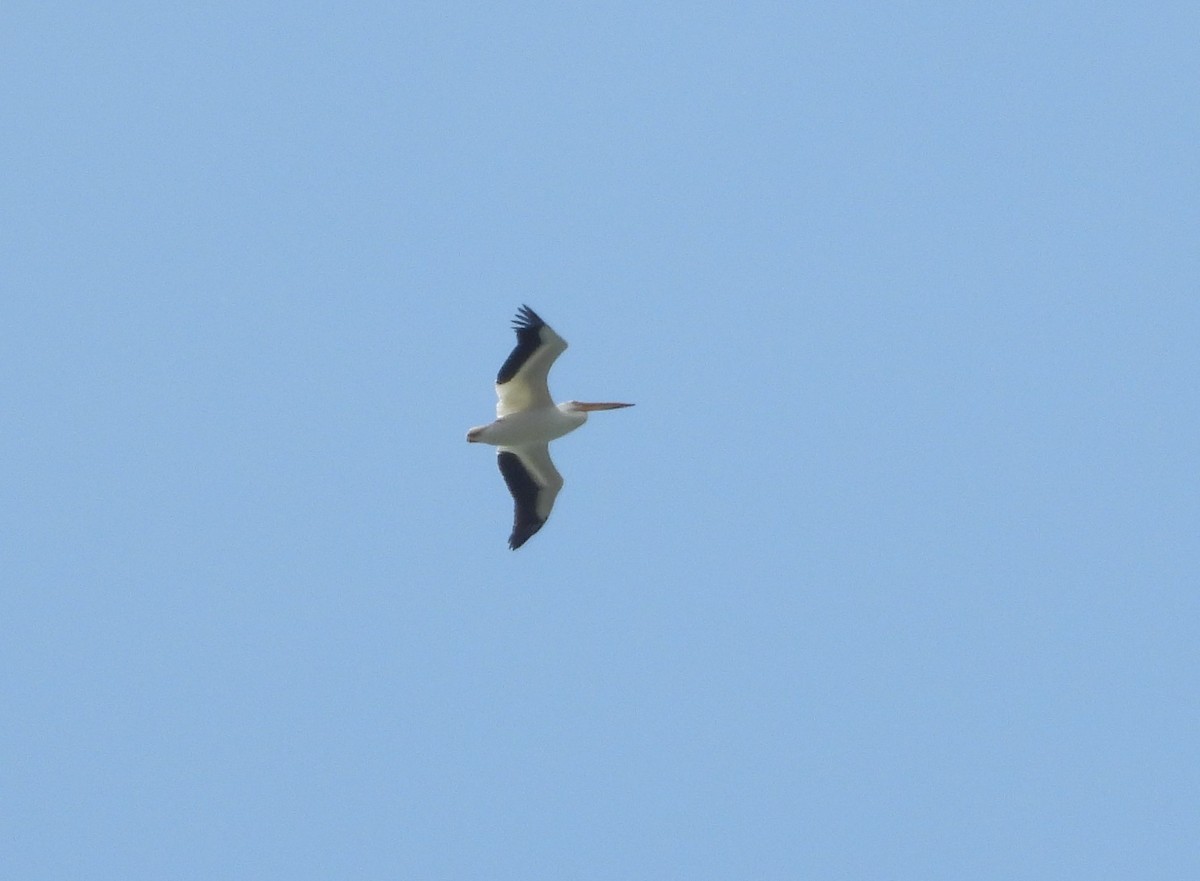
(524, 492)
(528, 326)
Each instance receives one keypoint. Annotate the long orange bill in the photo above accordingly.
(583, 405)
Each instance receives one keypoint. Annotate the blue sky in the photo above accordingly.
(890, 574)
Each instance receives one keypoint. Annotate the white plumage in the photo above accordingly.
(527, 420)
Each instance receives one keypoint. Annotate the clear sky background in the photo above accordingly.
(890, 574)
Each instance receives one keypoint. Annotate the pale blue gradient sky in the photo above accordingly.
(891, 573)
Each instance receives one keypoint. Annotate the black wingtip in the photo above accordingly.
(524, 492)
(519, 537)
(528, 325)
(526, 318)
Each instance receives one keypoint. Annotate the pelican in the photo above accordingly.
(527, 420)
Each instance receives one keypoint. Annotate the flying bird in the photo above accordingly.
(527, 420)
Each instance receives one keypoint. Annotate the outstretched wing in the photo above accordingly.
(521, 383)
(534, 483)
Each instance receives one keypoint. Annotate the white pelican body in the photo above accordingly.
(538, 425)
(527, 420)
